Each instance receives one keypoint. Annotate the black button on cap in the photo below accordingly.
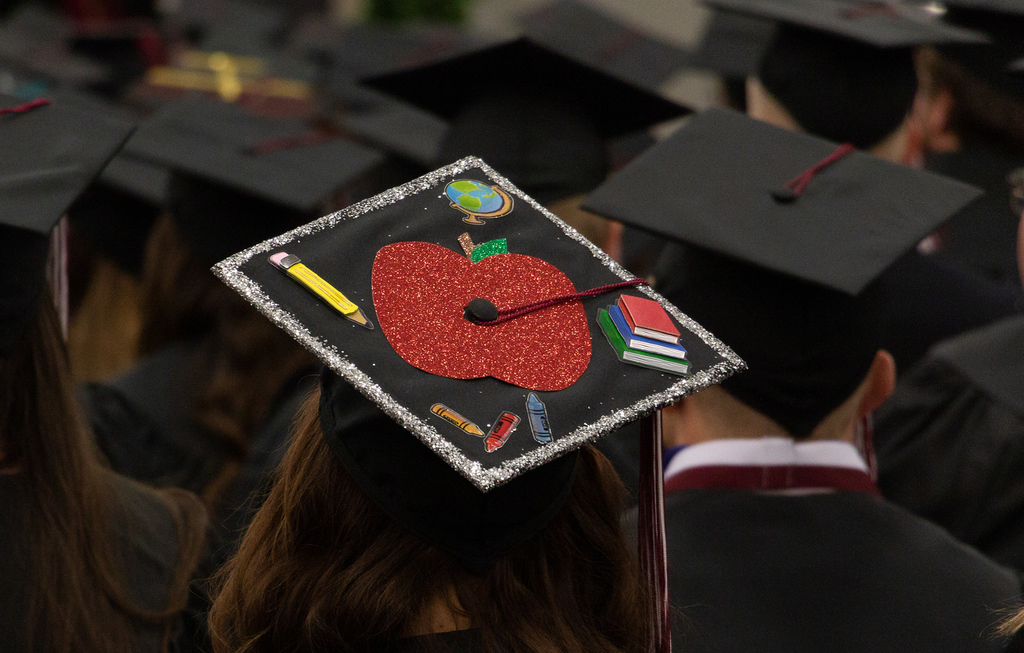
(784, 195)
(481, 310)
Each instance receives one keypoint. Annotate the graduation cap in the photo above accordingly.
(34, 41)
(733, 44)
(541, 116)
(1003, 22)
(587, 34)
(844, 69)
(392, 125)
(879, 24)
(116, 211)
(239, 177)
(471, 440)
(367, 49)
(526, 66)
(230, 25)
(51, 153)
(780, 257)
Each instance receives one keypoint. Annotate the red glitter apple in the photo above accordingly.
(420, 291)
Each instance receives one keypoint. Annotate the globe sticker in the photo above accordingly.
(478, 200)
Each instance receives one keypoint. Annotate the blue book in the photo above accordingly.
(639, 343)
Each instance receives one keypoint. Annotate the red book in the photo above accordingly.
(648, 319)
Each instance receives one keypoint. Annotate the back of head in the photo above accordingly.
(988, 104)
(545, 144)
(808, 347)
(79, 595)
(838, 88)
(324, 566)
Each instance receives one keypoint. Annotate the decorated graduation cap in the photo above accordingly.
(844, 69)
(587, 34)
(489, 336)
(238, 177)
(543, 118)
(51, 153)
(780, 260)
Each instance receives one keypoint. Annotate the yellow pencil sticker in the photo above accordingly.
(313, 282)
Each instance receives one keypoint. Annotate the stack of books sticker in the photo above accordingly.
(641, 332)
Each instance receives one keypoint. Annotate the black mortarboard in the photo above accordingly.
(544, 121)
(117, 210)
(587, 34)
(371, 49)
(1003, 22)
(51, 153)
(733, 44)
(412, 259)
(389, 124)
(34, 40)
(788, 275)
(882, 25)
(230, 25)
(523, 66)
(844, 69)
(239, 177)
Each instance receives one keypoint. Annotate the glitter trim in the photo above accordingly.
(229, 271)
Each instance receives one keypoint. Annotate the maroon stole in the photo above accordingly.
(775, 477)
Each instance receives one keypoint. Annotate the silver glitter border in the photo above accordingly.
(229, 271)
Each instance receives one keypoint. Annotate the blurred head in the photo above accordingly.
(835, 88)
(323, 567)
(545, 144)
(183, 302)
(79, 598)
(957, 104)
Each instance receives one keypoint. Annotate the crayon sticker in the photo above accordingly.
(453, 418)
(500, 431)
(538, 419)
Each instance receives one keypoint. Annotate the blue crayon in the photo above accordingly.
(538, 419)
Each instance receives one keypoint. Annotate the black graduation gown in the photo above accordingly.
(950, 441)
(146, 539)
(142, 421)
(930, 300)
(982, 235)
(838, 572)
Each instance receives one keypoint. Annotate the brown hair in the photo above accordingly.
(183, 301)
(979, 110)
(78, 596)
(322, 568)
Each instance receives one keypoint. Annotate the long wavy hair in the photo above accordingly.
(78, 598)
(183, 301)
(322, 568)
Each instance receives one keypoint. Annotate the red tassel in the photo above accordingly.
(510, 313)
(25, 108)
(799, 183)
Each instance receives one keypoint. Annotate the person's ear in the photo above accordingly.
(673, 420)
(879, 383)
(936, 118)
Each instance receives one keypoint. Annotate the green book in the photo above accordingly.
(635, 356)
